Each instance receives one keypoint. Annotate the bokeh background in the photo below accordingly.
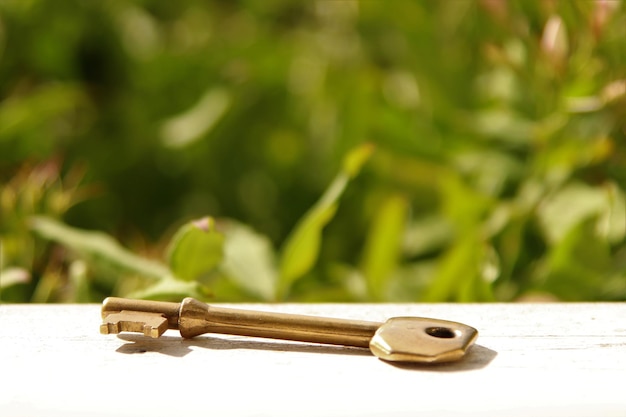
(333, 150)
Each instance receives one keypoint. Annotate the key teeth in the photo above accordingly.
(148, 331)
(153, 332)
(110, 328)
(150, 324)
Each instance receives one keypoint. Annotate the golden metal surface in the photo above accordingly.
(415, 339)
(400, 339)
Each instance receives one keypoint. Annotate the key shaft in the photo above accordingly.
(193, 318)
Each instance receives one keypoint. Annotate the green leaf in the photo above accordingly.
(47, 287)
(184, 129)
(302, 246)
(427, 235)
(502, 124)
(196, 249)
(13, 276)
(464, 273)
(456, 267)
(569, 207)
(577, 266)
(168, 289)
(98, 248)
(355, 159)
(382, 249)
(612, 222)
(464, 206)
(554, 42)
(410, 281)
(348, 281)
(78, 274)
(249, 260)
(38, 110)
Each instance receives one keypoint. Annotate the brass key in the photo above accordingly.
(401, 339)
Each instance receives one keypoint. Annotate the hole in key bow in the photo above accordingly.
(441, 332)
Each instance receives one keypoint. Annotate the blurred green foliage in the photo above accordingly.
(313, 151)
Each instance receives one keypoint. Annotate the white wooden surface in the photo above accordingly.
(530, 359)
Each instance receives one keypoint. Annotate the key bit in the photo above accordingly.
(399, 339)
(150, 324)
